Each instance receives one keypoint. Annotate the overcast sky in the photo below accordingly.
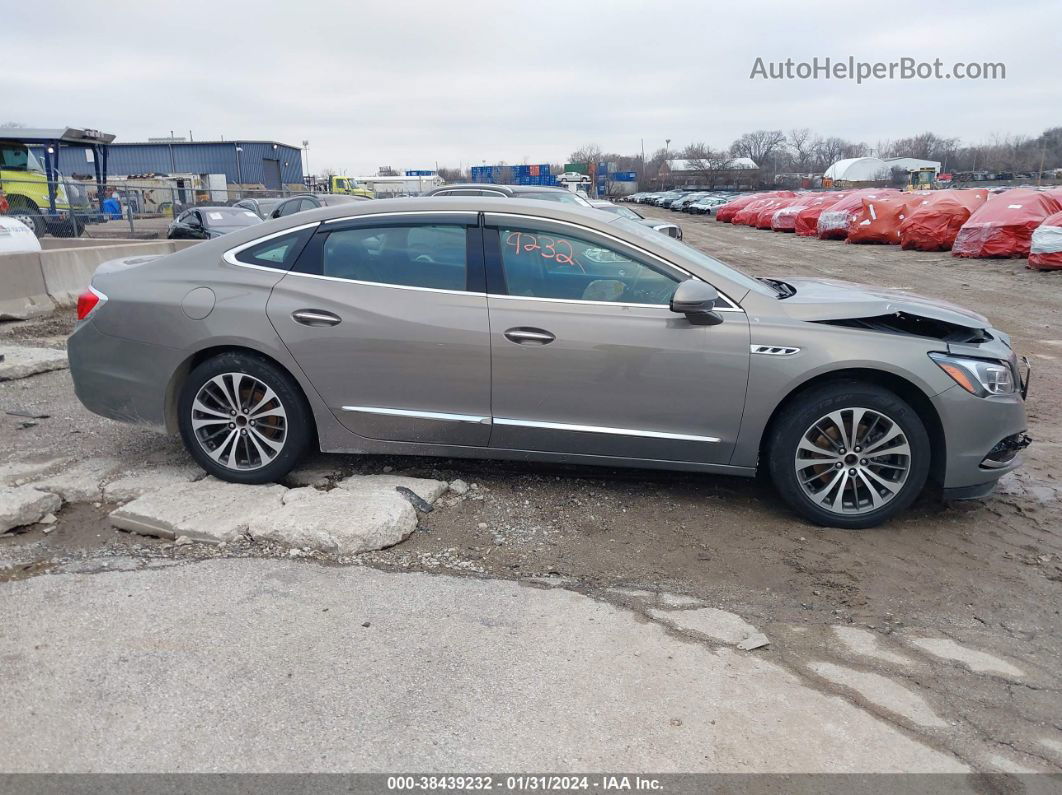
(456, 82)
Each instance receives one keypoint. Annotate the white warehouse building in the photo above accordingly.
(875, 169)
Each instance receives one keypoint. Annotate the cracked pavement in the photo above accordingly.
(560, 618)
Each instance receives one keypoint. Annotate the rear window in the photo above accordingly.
(277, 252)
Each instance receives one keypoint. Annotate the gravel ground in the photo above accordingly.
(986, 574)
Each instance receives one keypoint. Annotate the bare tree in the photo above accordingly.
(758, 145)
(710, 164)
(803, 148)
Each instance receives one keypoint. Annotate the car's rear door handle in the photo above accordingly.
(534, 336)
(315, 317)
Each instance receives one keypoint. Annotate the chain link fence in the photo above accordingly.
(138, 208)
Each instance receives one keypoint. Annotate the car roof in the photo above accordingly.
(510, 189)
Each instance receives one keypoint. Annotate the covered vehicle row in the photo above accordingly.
(970, 222)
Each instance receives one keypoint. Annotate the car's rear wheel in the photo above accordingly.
(849, 454)
(244, 419)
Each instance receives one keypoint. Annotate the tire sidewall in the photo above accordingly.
(299, 417)
(820, 402)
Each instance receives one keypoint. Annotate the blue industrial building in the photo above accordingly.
(267, 163)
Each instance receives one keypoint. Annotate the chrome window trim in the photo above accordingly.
(230, 255)
(420, 415)
(379, 284)
(734, 305)
(594, 303)
(561, 426)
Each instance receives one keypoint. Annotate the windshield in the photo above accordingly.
(563, 196)
(17, 157)
(693, 255)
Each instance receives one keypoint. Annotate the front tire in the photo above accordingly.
(244, 419)
(26, 211)
(849, 454)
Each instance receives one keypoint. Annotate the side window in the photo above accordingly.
(544, 265)
(425, 255)
(288, 207)
(277, 252)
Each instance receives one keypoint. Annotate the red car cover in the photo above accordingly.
(933, 224)
(1003, 226)
(1046, 250)
(833, 223)
(763, 220)
(748, 214)
(806, 222)
(726, 213)
(878, 221)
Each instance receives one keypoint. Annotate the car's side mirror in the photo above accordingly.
(696, 300)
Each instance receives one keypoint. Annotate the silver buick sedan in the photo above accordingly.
(521, 329)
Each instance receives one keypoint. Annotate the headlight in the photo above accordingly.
(981, 377)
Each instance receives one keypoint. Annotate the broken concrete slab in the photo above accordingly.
(882, 691)
(132, 484)
(709, 621)
(427, 489)
(80, 482)
(568, 678)
(757, 640)
(865, 643)
(345, 521)
(315, 473)
(977, 661)
(23, 505)
(18, 473)
(23, 361)
(206, 510)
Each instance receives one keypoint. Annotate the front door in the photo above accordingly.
(589, 359)
(387, 316)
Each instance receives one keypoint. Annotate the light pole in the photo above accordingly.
(667, 143)
(306, 161)
(239, 172)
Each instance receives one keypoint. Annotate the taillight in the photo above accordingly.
(88, 301)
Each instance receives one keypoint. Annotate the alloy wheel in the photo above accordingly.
(853, 461)
(239, 421)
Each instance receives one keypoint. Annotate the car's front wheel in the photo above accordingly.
(244, 419)
(849, 454)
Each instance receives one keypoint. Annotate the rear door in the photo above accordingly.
(387, 316)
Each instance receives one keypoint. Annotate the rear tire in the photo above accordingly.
(244, 419)
(849, 454)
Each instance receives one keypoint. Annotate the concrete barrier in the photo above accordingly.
(23, 293)
(32, 284)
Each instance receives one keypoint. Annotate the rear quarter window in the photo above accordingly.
(278, 252)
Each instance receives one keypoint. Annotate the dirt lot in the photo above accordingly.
(986, 573)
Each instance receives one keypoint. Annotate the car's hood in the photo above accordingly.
(654, 223)
(826, 299)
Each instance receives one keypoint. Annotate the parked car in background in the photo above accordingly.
(680, 204)
(202, 223)
(15, 236)
(538, 192)
(261, 207)
(542, 331)
(664, 199)
(705, 205)
(659, 224)
(311, 201)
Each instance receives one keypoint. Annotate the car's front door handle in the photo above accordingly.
(315, 317)
(534, 336)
